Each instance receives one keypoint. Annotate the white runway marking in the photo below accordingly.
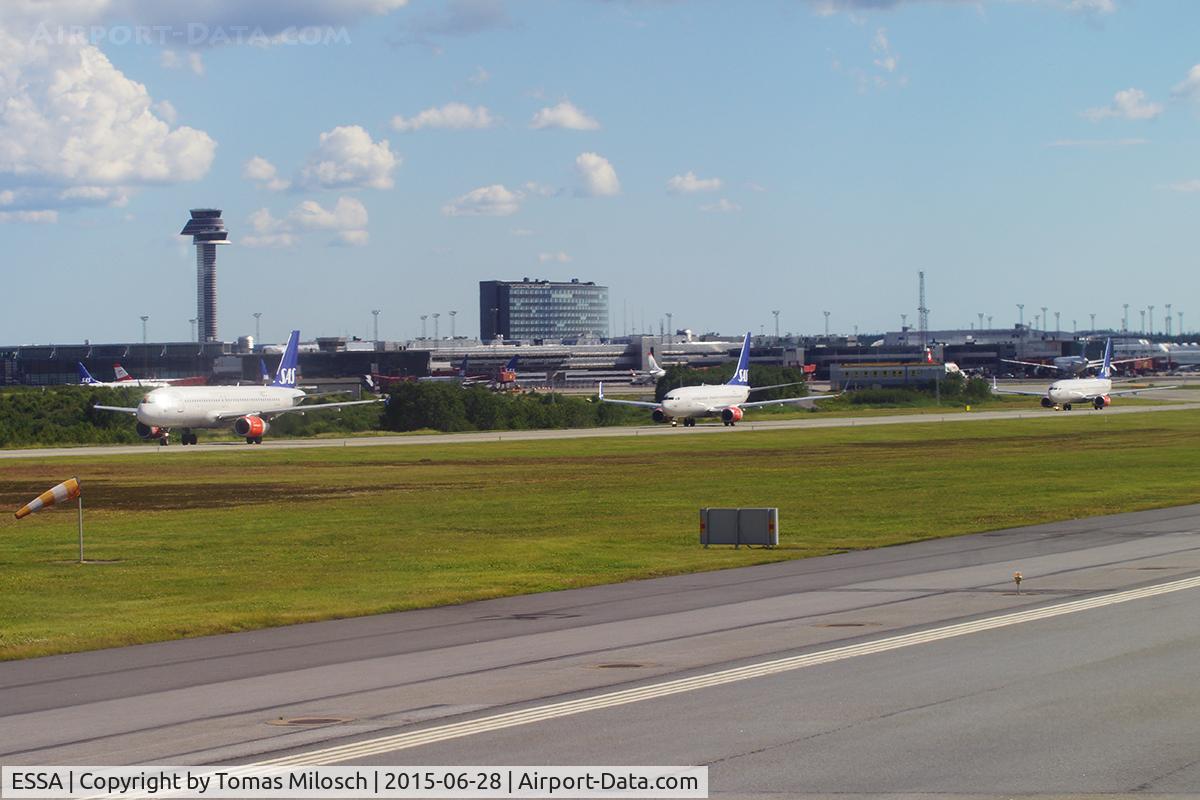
(442, 733)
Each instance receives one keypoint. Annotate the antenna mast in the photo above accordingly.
(923, 315)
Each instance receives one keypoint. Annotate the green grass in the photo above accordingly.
(207, 543)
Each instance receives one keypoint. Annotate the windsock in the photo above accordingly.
(67, 490)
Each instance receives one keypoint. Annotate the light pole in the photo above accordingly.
(1074, 329)
(375, 314)
(980, 320)
(776, 313)
(1125, 318)
(989, 322)
(1151, 319)
(453, 314)
(1057, 325)
(670, 330)
(903, 322)
(435, 325)
(1045, 319)
(826, 313)
(145, 317)
(1143, 312)
(193, 324)
(257, 327)
(423, 318)
(1093, 316)
(1180, 313)
(1020, 315)
(1168, 319)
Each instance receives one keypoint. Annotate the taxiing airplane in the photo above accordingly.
(248, 408)
(1070, 365)
(1097, 391)
(726, 400)
(650, 375)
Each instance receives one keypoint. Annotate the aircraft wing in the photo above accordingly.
(323, 406)
(998, 390)
(638, 403)
(1139, 391)
(1099, 362)
(121, 409)
(1027, 363)
(786, 401)
(775, 386)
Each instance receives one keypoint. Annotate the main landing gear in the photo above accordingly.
(253, 440)
(188, 438)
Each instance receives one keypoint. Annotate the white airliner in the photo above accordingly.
(124, 379)
(1070, 365)
(650, 375)
(1095, 391)
(724, 400)
(248, 408)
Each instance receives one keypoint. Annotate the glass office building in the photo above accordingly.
(536, 309)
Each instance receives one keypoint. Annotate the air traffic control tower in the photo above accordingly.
(207, 230)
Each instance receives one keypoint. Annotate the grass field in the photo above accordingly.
(220, 542)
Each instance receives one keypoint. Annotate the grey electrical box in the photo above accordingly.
(739, 526)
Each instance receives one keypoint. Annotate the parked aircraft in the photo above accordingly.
(124, 379)
(727, 400)
(650, 375)
(1095, 391)
(248, 408)
(1070, 365)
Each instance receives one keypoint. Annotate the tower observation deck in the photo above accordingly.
(207, 230)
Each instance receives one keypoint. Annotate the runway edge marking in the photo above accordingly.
(441, 733)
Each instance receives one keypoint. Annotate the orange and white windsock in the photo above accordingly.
(67, 490)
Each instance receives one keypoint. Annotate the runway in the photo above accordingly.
(745, 426)
(915, 670)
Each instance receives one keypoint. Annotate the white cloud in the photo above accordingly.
(263, 173)
(1127, 104)
(685, 184)
(521, 232)
(1189, 87)
(563, 115)
(29, 216)
(170, 59)
(722, 206)
(455, 116)
(486, 201)
(856, 7)
(348, 158)
(556, 258)
(75, 129)
(347, 220)
(1097, 142)
(479, 77)
(886, 61)
(539, 189)
(597, 178)
(1186, 186)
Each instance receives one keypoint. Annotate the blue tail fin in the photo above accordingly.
(285, 376)
(85, 377)
(462, 368)
(263, 375)
(1106, 367)
(511, 366)
(741, 375)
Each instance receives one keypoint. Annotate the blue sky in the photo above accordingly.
(712, 160)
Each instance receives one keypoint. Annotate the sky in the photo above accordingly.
(716, 161)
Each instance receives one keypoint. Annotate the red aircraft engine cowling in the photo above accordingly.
(250, 426)
(731, 414)
(1102, 401)
(149, 432)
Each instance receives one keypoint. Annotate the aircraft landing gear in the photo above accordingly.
(688, 422)
(674, 422)
(187, 438)
(253, 440)
(162, 442)
(1066, 406)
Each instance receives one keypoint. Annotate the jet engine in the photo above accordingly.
(658, 415)
(1047, 402)
(149, 432)
(1102, 401)
(731, 415)
(250, 427)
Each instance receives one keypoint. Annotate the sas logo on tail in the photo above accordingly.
(287, 375)
(743, 375)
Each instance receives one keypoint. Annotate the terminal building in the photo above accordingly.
(539, 310)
